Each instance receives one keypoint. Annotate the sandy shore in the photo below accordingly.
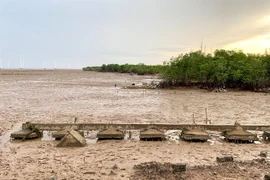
(60, 96)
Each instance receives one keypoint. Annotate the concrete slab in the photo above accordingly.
(239, 135)
(24, 134)
(152, 133)
(60, 134)
(110, 133)
(72, 139)
(194, 135)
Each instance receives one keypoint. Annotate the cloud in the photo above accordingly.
(148, 31)
(256, 44)
(251, 36)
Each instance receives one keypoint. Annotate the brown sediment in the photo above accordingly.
(249, 170)
(60, 96)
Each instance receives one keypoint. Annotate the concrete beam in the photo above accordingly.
(125, 126)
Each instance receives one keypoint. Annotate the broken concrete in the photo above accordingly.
(72, 139)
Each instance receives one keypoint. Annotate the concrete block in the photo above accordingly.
(72, 139)
(225, 158)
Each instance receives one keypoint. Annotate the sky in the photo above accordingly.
(79, 33)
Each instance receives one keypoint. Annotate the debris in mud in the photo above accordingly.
(264, 90)
(230, 170)
(256, 169)
(266, 135)
(264, 153)
(267, 177)
(220, 90)
(179, 167)
(224, 158)
(155, 170)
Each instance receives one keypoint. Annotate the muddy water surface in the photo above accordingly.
(60, 96)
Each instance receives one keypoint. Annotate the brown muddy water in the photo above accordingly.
(60, 96)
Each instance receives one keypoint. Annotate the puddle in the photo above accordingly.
(6, 137)
(90, 137)
(134, 135)
(173, 135)
(47, 136)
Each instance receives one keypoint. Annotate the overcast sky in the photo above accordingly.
(50, 33)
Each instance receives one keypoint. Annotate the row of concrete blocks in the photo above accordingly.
(238, 135)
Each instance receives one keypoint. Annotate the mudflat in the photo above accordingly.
(61, 95)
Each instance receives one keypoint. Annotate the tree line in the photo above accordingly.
(140, 69)
(223, 68)
(233, 69)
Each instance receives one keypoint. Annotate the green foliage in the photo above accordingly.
(140, 69)
(93, 68)
(233, 69)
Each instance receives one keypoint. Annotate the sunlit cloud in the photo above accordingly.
(256, 44)
(255, 33)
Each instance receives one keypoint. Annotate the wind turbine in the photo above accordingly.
(21, 62)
